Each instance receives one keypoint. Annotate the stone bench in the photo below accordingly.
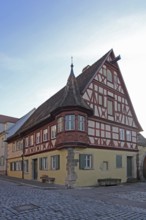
(109, 182)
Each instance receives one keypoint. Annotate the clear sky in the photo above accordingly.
(38, 37)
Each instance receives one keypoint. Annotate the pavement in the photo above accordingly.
(32, 200)
(33, 183)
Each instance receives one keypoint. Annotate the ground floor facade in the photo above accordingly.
(76, 166)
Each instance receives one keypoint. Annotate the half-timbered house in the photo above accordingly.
(86, 131)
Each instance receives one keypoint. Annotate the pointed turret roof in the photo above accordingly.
(71, 95)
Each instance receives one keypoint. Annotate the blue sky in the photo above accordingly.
(38, 37)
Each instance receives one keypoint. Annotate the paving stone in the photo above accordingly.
(32, 203)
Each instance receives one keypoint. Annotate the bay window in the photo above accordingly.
(81, 123)
(70, 122)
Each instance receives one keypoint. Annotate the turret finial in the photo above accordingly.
(72, 62)
(72, 66)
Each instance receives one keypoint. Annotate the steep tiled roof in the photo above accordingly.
(19, 124)
(43, 111)
(60, 99)
(86, 76)
(5, 118)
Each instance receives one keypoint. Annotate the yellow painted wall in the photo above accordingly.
(59, 175)
(89, 177)
(17, 174)
(84, 177)
(13, 156)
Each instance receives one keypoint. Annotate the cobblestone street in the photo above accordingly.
(21, 201)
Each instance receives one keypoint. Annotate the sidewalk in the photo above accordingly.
(32, 183)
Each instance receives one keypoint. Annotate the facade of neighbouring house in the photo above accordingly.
(15, 151)
(141, 142)
(85, 132)
(5, 123)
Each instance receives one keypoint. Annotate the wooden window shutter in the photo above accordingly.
(119, 161)
(40, 163)
(57, 162)
(81, 161)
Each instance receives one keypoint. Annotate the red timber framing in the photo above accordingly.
(100, 95)
(113, 125)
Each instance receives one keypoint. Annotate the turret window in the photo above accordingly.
(81, 123)
(70, 122)
(60, 124)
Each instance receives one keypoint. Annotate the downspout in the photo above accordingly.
(23, 158)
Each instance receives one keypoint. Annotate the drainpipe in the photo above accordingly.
(22, 158)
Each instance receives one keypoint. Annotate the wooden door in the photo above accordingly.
(129, 167)
(35, 169)
(144, 168)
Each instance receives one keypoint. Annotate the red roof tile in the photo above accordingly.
(5, 118)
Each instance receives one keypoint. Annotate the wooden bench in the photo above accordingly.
(46, 178)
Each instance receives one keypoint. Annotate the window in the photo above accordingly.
(69, 122)
(13, 166)
(18, 165)
(116, 81)
(31, 140)
(38, 138)
(53, 132)
(26, 168)
(2, 161)
(55, 162)
(105, 165)
(119, 109)
(110, 107)
(81, 123)
(13, 147)
(128, 135)
(60, 124)
(26, 142)
(85, 161)
(45, 135)
(2, 142)
(100, 99)
(122, 134)
(43, 163)
(109, 76)
(17, 145)
(118, 161)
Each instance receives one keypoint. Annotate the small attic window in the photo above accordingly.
(109, 76)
